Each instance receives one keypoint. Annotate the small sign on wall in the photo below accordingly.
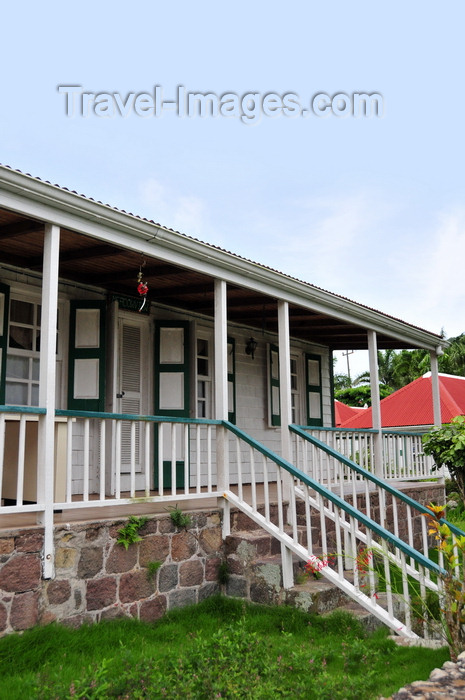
(130, 303)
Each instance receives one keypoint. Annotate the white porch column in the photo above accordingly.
(375, 401)
(221, 394)
(47, 377)
(286, 420)
(435, 387)
(285, 378)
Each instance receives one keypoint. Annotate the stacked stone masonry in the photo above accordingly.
(98, 579)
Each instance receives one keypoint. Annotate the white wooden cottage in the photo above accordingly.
(110, 393)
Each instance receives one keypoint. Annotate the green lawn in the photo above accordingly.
(221, 648)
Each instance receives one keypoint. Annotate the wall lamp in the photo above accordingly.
(250, 347)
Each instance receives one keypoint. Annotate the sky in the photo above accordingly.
(371, 208)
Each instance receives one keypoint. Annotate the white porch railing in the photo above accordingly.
(106, 459)
(18, 459)
(403, 456)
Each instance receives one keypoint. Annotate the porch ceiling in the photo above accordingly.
(89, 261)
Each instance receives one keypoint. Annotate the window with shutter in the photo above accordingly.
(86, 373)
(171, 392)
(4, 307)
(231, 380)
(273, 386)
(314, 391)
(131, 390)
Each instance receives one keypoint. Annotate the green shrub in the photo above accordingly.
(129, 534)
(180, 519)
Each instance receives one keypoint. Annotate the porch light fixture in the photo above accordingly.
(251, 347)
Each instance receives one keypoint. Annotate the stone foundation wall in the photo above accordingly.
(98, 579)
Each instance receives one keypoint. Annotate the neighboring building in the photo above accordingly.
(412, 406)
(343, 412)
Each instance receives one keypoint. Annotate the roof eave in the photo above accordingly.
(30, 196)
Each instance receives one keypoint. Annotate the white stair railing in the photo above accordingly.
(332, 525)
(379, 499)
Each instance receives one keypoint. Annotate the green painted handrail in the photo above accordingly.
(350, 431)
(338, 430)
(369, 476)
(336, 500)
(30, 410)
(135, 417)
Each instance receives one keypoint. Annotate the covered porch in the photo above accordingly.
(86, 438)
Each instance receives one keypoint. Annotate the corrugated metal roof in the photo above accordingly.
(413, 404)
(342, 412)
(214, 247)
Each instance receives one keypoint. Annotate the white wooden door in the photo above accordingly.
(132, 396)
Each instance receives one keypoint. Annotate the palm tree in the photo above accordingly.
(386, 367)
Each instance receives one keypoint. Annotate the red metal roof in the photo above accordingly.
(342, 412)
(413, 404)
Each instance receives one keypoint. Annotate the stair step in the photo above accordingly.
(256, 557)
(255, 568)
(262, 541)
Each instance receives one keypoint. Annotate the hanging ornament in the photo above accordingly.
(142, 287)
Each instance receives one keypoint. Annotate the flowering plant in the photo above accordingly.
(451, 549)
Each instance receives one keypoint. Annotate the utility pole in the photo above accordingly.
(346, 354)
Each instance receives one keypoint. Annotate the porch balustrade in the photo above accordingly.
(403, 456)
(103, 458)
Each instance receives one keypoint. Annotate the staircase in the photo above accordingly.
(286, 519)
(255, 573)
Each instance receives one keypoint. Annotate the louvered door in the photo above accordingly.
(131, 387)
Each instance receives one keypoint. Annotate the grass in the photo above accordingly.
(222, 648)
(457, 517)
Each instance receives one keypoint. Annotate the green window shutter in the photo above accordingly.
(172, 368)
(314, 392)
(273, 385)
(86, 362)
(231, 380)
(4, 309)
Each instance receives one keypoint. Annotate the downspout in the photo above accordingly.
(375, 403)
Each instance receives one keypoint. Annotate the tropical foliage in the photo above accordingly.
(396, 368)
(360, 396)
(447, 447)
